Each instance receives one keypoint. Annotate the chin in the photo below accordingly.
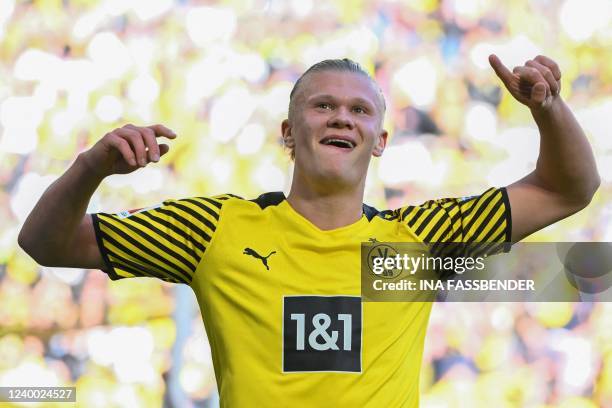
(330, 172)
(339, 176)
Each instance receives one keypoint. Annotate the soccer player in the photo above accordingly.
(278, 278)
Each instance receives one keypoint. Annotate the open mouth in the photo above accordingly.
(337, 142)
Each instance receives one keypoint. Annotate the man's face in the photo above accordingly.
(335, 128)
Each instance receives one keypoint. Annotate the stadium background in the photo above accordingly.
(219, 74)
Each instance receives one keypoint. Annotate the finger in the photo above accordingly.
(538, 93)
(134, 138)
(528, 78)
(547, 74)
(500, 69)
(550, 64)
(123, 147)
(150, 142)
(528, 75)
(163, 149)
(161, 130)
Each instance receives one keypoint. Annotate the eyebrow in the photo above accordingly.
(357, 100)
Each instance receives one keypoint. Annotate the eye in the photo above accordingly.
(359, 109)
(324, 105)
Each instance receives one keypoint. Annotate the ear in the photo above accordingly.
(380, 146)
(286, 132)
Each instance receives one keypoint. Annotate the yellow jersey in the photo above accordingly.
(280, 298)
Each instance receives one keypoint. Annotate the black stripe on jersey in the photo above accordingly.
(193, 213)
(406, 212)
(109, 270)
(425, 223)
(228, 196)
(436, 228)
(165, 236)
(152, 269)
(137, 244)
(439, 246)
(204, 207)
(482, 198)
(508, 215)
(482, 207)
(487, 238)
(215, 202)
(136, 269)
(188, 224)
(179, 232)
(445, 249)
(414, 219)
(484, 224)
(142, 248)
(500, 237)
(456, 220)
(457, 234)
(468, 205)
(162, 248)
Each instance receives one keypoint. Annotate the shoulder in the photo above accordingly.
(411, 211)
(234, 203)
(452, 205)
(199, 205)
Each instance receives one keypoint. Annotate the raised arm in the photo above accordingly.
(58, 232)
(565, 178)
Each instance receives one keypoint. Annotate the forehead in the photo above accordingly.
(340, 84)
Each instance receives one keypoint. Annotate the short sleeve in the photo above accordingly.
(166, 241)
(484, 218)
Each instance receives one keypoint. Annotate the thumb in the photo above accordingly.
(500, 69)
(163, 149)
(538, 93)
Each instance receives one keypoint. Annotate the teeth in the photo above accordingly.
(339, 141)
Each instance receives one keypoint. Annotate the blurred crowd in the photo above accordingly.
(219, 74)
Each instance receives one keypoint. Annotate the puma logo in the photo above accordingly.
(254, 254)
(372, 240)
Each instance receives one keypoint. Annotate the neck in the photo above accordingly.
(327, 208)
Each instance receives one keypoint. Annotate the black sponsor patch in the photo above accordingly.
(322, 333)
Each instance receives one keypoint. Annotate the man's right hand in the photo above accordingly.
(126, 149)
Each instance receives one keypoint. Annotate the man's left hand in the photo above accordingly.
(536, 84)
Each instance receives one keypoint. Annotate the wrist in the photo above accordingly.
(87, 170)
(550, 110)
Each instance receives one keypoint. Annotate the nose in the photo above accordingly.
(341, 118)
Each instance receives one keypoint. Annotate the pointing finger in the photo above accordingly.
(161, 130)
(500, 69)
